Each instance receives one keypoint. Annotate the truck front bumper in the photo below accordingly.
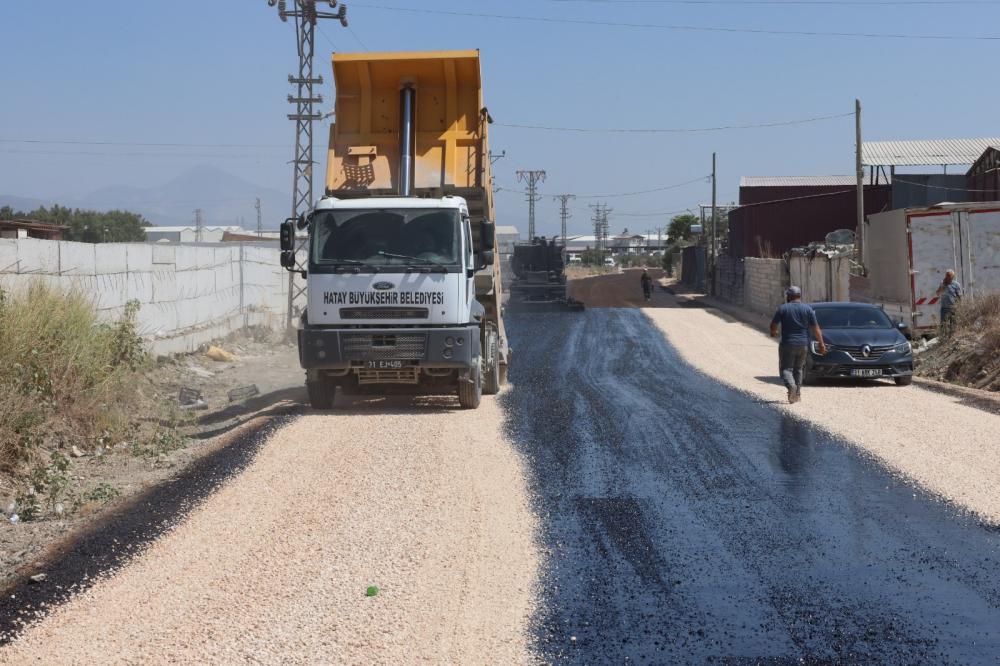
(368, 348)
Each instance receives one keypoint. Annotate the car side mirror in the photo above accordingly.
(905, 330)
(488, 236)
(287, 236)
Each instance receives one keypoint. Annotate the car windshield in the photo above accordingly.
(386, 237)
(852, 318)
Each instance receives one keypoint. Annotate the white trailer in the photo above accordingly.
(907, 251)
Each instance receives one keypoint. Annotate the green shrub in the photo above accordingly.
(64, 375)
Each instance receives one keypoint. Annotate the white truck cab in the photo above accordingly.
(391, 299)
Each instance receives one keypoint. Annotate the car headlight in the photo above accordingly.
(905, 348)
(814, 347)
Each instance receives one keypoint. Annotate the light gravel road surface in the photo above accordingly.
(937, 440)
(414, 496)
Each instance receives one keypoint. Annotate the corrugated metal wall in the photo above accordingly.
(774, 227)
(984, 177)
(919, 190)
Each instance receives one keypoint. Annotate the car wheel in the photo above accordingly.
(905, 380)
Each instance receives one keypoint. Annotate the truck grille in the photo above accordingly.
(383, 313)
(383, 346)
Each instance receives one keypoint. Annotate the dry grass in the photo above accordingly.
(64, 375)
(970, 353)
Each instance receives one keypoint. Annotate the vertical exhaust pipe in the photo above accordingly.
(407, 139)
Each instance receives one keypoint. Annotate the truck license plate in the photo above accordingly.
(385, 365)
(866, 372)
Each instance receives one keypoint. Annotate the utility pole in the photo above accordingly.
(197, 225)
(564, 213)
(306, 15)
(711, 264)
(260, 223)
(860, 170)
(532, 178)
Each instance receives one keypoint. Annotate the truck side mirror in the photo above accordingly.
(288, 236)
(288, 260)
(486, 258)
(488, 236)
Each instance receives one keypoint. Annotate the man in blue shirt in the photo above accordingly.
(796, 319)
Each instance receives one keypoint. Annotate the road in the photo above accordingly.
(687, 521)
(616, 504)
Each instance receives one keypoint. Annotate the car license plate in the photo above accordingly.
(866, 372)
(385, 365)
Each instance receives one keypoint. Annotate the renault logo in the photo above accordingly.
(383, 286)
(866, 351)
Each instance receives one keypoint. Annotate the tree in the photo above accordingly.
(88, 226)
(680, 227)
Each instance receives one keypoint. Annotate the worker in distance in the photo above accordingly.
(795, 319)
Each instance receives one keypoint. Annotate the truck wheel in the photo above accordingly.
(471, 393)
(321, 393)
(491, 380)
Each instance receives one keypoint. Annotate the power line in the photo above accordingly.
(143, 144)
(620, 194)
(781, 123)
(864, 3)
(681, 27)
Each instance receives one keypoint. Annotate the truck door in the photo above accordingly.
(981, 252)
(934, 248)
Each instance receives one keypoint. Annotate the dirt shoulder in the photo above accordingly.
(94, 482)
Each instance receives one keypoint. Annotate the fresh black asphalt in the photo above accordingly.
(686, 522)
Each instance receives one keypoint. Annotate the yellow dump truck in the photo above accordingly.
(404, 290)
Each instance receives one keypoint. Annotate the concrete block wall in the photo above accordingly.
(187, 294)
(764, 284)
(729, 279)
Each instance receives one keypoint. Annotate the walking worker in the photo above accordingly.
(796, 320)
(950, 292)
(647, 283)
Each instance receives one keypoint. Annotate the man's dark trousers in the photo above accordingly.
(791, 365)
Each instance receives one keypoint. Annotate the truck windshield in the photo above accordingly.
(852, 318)
(386, 237)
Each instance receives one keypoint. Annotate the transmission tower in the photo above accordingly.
(306, 15)
(260, 222)
(600, 220)
(564, 213)
(198, 225)
(532, 178)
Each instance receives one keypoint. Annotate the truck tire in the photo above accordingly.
(491, 378)
(321, 393)
(471, 393)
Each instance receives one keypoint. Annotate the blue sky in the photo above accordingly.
(214, 71)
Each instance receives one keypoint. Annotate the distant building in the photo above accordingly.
(31, 229)
(506, 237)
(189, 234)
(983, 179)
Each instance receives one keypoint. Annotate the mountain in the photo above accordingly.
(20, 203)
(222, 197)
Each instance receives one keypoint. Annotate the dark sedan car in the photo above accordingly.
(862, 342)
